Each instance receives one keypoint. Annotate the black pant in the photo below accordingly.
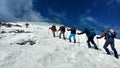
(63, 34)
(111, 42)
(90, 39)
(53, 34)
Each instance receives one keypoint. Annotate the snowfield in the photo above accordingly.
(37, 48)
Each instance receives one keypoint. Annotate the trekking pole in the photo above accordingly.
(66, 33)
(57, 33)
(98, 45)
(78, 41)
(48, 32)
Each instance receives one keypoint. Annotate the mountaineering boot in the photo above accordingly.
(116, 56)
(60, 37)
(89, 46)
(108, 53)
(115, 53)
(74, 40)
(64, 38)
(96, 47)
(69, 40)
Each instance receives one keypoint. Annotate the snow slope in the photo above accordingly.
(50, 52)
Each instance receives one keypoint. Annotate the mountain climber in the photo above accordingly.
(53, 29)
(109, 37)
(90, 33)
(72, 34)
(62, 31)
(27, 25)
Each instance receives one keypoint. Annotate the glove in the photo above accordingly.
(78, 33)
(68, 29)
(98, 37)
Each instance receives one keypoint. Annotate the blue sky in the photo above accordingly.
(67, 11)
(106, 11)
(100, 14)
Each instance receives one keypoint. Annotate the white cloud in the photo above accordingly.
(51, 12)
(57, 16)
(88, 18)
(18, 10)
(91, 19)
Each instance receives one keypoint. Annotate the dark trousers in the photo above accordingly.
(90, 39)
(62, 33)
(111, 42)
(53, 34)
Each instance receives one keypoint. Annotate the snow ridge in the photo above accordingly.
(50, 52)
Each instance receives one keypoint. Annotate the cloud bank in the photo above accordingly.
(89, 21)
(18, 10)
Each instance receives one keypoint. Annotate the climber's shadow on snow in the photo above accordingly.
(78, 42)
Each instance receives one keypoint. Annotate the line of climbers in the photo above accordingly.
(90, 33)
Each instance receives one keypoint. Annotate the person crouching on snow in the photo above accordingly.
(53, 29)
(72, 34)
